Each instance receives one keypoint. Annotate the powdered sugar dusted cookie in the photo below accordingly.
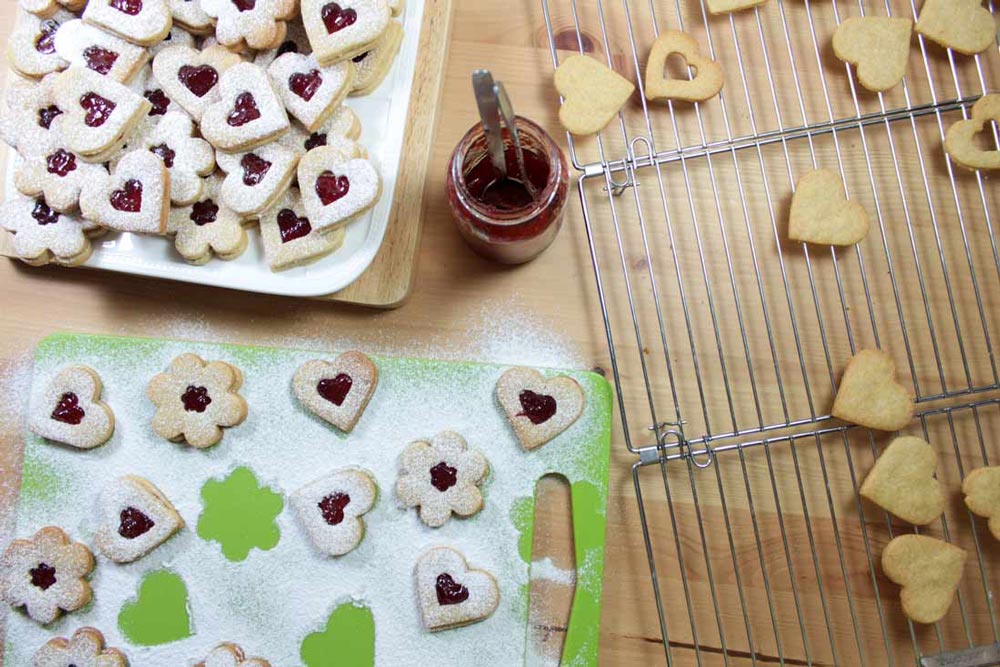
(539, 409)
(46, 574)
(343, 29)
(309, 91)
(207, 228)
(143, 22)
(331, 508)
(450, 593)
(982, 495)
(31, 48)
(195, 400)
(56, 174)
(256, 179)
(31, 108)
(258, 23)
(248, 113)
(99, 113)
(135, 198)
(296, 41)
(337, 187)
(84, 649)
(373, 66)
(85, 46)
(231, 655)
(135, 518)
(46, 8)
(441, 476)
(190, 77)
(42, 235)
(189, 15)
(188, 158)
(337, 391)
(344, 124)
(70, 410)
(289, 237)
(177, 36)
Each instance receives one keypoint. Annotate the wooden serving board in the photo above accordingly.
(387, 281)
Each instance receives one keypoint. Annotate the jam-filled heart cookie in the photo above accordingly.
(332, 509)
(190, 77)
(373, 66)
(450, 594)
(539, 409)
(26, 125)
(143, 22)
(31, 49)
(46, 574)
(344, 124)
(311, 92)
(135, 198)
(207, 228)
(195, 400)
(256, 179)
(441, 477)
(56, 174)
(248, 114)
(188, 158)
(231, 655)
(258, 23)
(42, 235)
(135, 518)
(345, 28)
(982, 495)
(99, 113)
(70, 410)
(84, 649)
(336, 186)
(337, 391)
(85, 46)
(290, 238)
(189, 15)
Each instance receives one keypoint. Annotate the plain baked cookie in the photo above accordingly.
(960, 141)
(337, 391)
(332, 509)
(592, 94)
(962, 25)
(441, 477)
(84, 649)
(231, 655)
(135, 518)
(902, 481)
(982, 495)
(70, 410)
(708, 79)
(870, 395)
(450, 594)
(928, 570)
(539, 409)
(878, 46)
(821, 213)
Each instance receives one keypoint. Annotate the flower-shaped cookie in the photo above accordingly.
(135, 519)
(289, 237)
(31, 49)
(70, 410)
(84, 649)
(343, 124)
(231, 655)
(331, 508)
(441, 476)
(83, 45)
(42, 235)
(257, 178)
(259, 23)
(31, 109)
(188, 158)
(143, 22)
(46, 574)
(450, 593)
(195, 400)
(207, 228)
(55, 173)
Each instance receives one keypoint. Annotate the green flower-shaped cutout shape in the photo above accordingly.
(348, 640)
(239, 514)
(159, 614)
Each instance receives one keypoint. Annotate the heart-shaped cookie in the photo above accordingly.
(257, 178)
(982, 495)
(190, 77)
(343, 29)
(332, 509)
(310, 91)
(373, 66)
(143, 22)
(870, 395)
(823, 215)
(960, 141)
(135, 198)
(962, 25)
(928, 570)
(708, 78)
(878, 46)
(26, 124)
(135, 518)
(289, 236)
(337, 391)
(727, 6)
(902, 481)
(337, 187)
(188, 158)
(70, 410)
(83, 45)
(99, 113)
(450, 593)
(31, 48)
(592, 94)
(296, 41)
(257, 23)
(539, 409)
(248, 113)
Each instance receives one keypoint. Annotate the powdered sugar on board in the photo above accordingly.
(271, 601)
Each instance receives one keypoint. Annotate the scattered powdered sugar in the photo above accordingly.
(546, 569)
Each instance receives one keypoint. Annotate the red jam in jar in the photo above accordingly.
(497, 216)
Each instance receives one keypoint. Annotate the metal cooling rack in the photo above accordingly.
(726, 341)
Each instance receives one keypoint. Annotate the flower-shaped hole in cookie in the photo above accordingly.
(84, 649)
(239, 514)
(441, 477)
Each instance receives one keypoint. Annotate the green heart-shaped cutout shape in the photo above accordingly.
(348, 640)
(159, 614)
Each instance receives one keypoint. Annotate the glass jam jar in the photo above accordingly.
(498, 217)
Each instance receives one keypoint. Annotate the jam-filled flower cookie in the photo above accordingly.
(135, 198)
(99, 114)
(331, 509)
(290, 238)
(55, 173)
(70, 410)
(441, 477)
(143, 22)
(31, 49)
(26, 124)
(190, 77)
(83, 45)
(46, 574)
(343, 29)
(539, 409)
(258, 23)
(230, 655)
(337, 391)
(344, 124)
(310, 91)
(135, 518)
(42, 235)
(248, 114)
(257, 178)
(85, 648)
(207, 228)
(452, 594)
(337, 186)
(195, 400)
(188, 159)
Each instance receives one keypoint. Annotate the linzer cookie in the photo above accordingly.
(56, 174)
(337, 391)
(343, 124)
(260, 24)
(539, 409)
(135, 198)
(26, 124)
(231, 655)
(189, 159)
(256, 179)
(42, 235)
(135, 518)
(70, 410)
(337, 187)
(99, 114)
(176, 37)
(309, 91)
(441, 477)
(289, 237)
(343, 29)
(207, 228)
(195, 400)
(373, 66)
(190, 16)
(85, 648)
(46, 8)
(31, 49)
(248, 114)
(46, 574)
(296, 41)
(332, 509)
(85, 46)
(143, 22)
(145, 84)
(451, 594)
(190, 77)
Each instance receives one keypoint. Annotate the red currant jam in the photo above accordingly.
(292, 226)
(44, 215)
(331, 187)
(129, 198)
(133, 523)
(245, 5)
(335, 389)
(443, 477)
(244, 111)
(255, 168)
(165, 153)
(449, 591)
(129, 7)
(315, 140)
(100, 60)
(47, 115)
(204, 212)
(68, 410)
(196, 399)
(159, 100)
(199, 80)
(332, 508)
(305, 85)
(288, 46)
(538, 408)
(61, 163)
(43, 576)
(336, 18)
(99, 109)
(45, 42)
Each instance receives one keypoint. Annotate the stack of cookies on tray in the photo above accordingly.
(193, 119)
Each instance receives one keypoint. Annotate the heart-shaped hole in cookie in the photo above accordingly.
(245, 5)
(128, 7)
(133, 523)
(331, 187)
(244, 111)
(68, 410)
(99, 109)
(332, 508)
(335, 389)
(306, 84)
(449, 591)
(129, 198)
(255, 168)
(198, 79)
(538, 408)
(292, 226)
(99, 59)
(336, 18)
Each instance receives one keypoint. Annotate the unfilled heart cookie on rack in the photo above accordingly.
(539, 409)
(257, 178)
(143, 22)
(70, 410)
(592, 94)
(248, 113)
(870, 395)
(134, 198)
(135, 518)
(928, 570)
(902, 481)
(332, 509)
(963, 25)
(982, 495)
(337, 391)
(336, 187)
(727, 6)
(878, 46)
(310, 91)
(452, 594)
(84, 45)
(343, 29)
(31, 48)
(708, 79)
(822, 214)
(191, 77)
(960, 141)
(99, 113)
